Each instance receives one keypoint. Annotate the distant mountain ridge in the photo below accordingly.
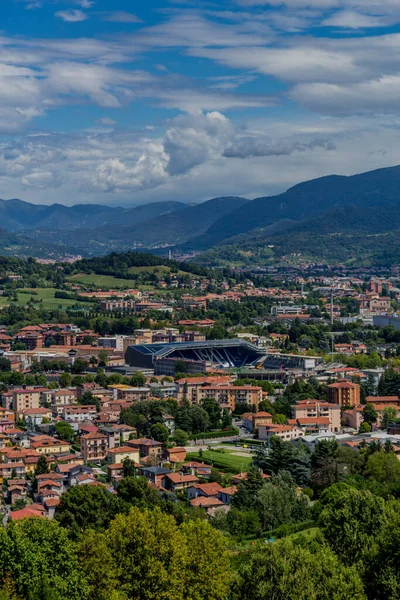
(363, 204)
(17, 215)
(164, 229)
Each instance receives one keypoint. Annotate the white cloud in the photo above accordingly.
(126, 162)
(72, 16)
(106, 121)
(351, 19)
(121, 17)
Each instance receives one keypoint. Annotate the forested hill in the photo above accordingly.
(378, 188)
(119, 265)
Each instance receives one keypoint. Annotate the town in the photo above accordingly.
(217, 397)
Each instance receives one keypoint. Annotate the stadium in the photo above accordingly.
(222, 354)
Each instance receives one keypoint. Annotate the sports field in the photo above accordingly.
(227, 460)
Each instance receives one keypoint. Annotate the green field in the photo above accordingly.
(46, 296)
(224, 460)
(103, 281)
(307, 534)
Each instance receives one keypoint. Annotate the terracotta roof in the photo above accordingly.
(25, 513)
(206, 502)
(52, 502)
(230, 491)
(5, 466)
(49, 476)
(209, 489)
(343, 385)
(180, 478)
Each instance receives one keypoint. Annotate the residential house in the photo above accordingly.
(226, 494)
(353, 417)
(94, 447)
(179, 481)
(156, 475)
(146, 447)
(175, 455)
(118, 455)
(34, 417)
(197, 468)
(252, 421)
(211, 505)
(208, 490)
(48, 445)
(63, 397)
(286, 433)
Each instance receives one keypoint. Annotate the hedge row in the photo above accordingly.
(215, 434)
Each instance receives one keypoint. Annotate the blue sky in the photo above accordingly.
(125, 102)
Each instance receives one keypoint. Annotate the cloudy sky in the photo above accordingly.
(130, 101)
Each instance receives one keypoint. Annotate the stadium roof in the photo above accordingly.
(160, 350)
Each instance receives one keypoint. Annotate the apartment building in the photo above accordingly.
(94, 447)
(127, 393)
(24, 398)
(79, 414)
(230, 396)
(187, 388)
(343, 393)
(252, 421)
(63, 397)
(308, 413)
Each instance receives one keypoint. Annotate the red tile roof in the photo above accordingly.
(25, 513)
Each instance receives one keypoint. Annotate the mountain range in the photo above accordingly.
(353, 214)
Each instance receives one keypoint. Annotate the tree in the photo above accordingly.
(87, 507)
(41, 466)
(213, 410)
(200, 421)
(284, 456)
(382, 574)
(137, 380)
(137, 492)
(278, 502)
(129, 467)
(104, 357)
(79, 366)
(150, 553)
(207, 573)
(37, 554)
(99, 567)
(365, 427)
(226, 419)
(389, 383)
(370, 415)
(5, 365)
(160, 433)
(389, 414)
(87, 399)
(180, 437)
(65, 380)
(283, 571)
(246, 495)
(65, 431)
(350, 520)
(50, 341)
(384, 468)
(324, 468)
